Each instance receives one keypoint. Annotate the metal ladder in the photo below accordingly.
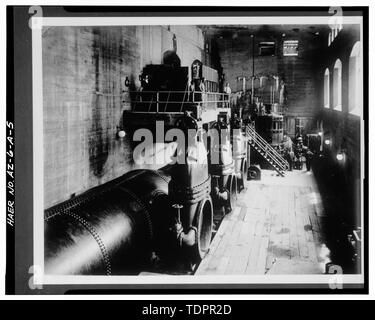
(266, 151)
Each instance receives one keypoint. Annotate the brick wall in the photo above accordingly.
(299, 72)
(340, 48)
(343, 129)
(84, 69)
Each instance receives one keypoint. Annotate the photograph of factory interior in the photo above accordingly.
(202, 149)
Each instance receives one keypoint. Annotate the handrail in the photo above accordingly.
(226, 95)
(176, 91)
(274, 152)
(183, 99)
(175, 101)
(272, 149)
(264, 146)
(218, 99)
(172, 101)
(149, 107)
(166, 104)
(269, 153)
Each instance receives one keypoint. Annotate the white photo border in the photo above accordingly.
(38, 153)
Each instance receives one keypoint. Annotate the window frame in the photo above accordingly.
(355, 98)
(337, 87)
(326, 89)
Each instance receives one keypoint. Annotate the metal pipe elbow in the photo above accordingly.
(188, 239)
(222, 195)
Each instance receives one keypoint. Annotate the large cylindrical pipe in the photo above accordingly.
(107, 230)
(239, 156)
(190, 181)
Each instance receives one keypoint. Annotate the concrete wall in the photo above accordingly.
(84, 69)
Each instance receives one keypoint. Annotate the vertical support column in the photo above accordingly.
(157, 102)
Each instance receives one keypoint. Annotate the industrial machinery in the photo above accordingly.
(271, 128)
(116, 228)
(189, 192)
(241, 151)
(264, 116)
(107, 230)
(222, 165)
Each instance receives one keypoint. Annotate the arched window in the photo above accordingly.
(326, 89)
(337, 85)
(355, 80)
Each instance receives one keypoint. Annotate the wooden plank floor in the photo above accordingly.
(275, 229)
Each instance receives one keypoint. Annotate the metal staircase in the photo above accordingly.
(266, 151)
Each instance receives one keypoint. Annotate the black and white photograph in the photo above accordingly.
(203, 149)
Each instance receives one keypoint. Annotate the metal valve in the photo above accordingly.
(178, 208)
(178, 226)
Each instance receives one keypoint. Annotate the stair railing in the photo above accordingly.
(268, 150)
(269, 147)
